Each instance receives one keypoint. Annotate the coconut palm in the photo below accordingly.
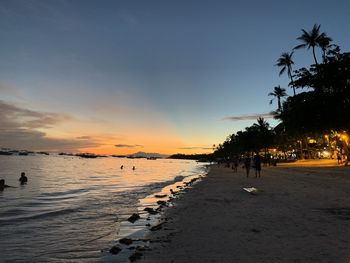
(312, 39)
(285, 62)
(324, 43)
(261, 124)
(278, 93)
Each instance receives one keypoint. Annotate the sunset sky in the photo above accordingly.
(119, 77)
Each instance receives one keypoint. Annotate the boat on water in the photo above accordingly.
(87, 155)
(2, 152)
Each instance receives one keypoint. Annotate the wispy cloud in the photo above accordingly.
(84, 138)
(19, 130)
(12, 116)
(128, 146)
(248, 117)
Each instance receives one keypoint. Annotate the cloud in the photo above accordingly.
(36, 140)
(12, 116)
(128, 145)
(84, 138)
(19, 130)
(248, 117)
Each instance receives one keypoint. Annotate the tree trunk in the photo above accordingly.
(301, 150)
(279, 103)
(291, 79)
(313, 53)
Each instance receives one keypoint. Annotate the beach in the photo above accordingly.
(300, 213)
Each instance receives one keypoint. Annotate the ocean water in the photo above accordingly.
(74, 208)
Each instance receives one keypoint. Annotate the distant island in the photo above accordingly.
(198, 157)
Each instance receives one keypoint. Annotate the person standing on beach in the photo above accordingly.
(257, 165)
(339, 158)
(235, 165)
(247, 162)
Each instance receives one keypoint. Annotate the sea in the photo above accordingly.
(75, 209)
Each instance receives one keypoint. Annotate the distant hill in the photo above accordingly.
(147, 155)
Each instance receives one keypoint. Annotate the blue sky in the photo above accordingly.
(127, 72)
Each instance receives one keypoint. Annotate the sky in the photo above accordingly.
(117, 77)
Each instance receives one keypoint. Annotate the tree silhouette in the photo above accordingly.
(285, 62)
(278, 93)
(312, 39)
(324, 43)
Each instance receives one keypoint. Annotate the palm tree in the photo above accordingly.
(285, 62)
(261, 124)
(278, 93)
(312, 39)
(324, 43)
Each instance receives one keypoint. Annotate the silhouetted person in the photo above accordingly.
(247, 165)
(23, 179)
(339, 158)
(3, 185)
(235, 165)
(257, 165)
(121, 167)
(134, 168)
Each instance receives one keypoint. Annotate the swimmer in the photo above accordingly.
(3, 185)
(23, 179)
(121, 167)
(134, 168)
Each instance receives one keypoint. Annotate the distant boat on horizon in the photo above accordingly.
(5, 152)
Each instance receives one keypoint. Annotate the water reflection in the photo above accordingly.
(72, 207)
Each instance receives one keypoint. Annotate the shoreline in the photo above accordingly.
(300, 214)
(136, 233)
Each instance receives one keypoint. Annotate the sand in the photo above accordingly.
(300, 214)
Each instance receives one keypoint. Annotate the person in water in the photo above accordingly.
(134, 168)
(3, 185)
(121, 167)
(23, 179)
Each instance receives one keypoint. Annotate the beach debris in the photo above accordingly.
(143, 248)
(160, 196)
(157, 227)
(115, 250)
(162, 203)
(133, 218)
(126, 241)
(150, 210)
(135, 256)
(191, 181)
(251, 190)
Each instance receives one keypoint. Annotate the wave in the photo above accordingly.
(63, 194)
(43, 215)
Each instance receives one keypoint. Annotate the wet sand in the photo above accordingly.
(300, 214)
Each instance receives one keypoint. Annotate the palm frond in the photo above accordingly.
(282, 71)
(300, 46)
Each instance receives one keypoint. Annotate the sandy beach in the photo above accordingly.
(301, 213)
